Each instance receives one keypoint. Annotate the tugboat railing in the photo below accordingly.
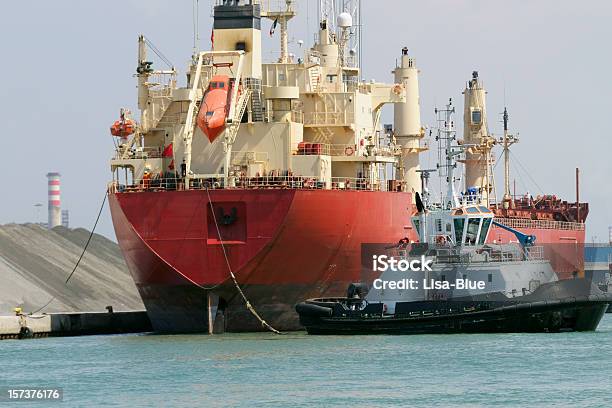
(540, 224)
(485, 254)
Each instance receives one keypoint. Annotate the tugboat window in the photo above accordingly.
(472, 231)
(486, 223)
(459, 223)
(439, 225)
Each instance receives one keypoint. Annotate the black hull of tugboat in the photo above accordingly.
(474, 315)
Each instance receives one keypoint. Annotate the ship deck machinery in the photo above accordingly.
(287, 193)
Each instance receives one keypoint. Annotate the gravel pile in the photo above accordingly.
(35, 262)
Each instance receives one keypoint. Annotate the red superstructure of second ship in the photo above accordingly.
(290, 180)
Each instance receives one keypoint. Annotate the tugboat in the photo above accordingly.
(454, 280)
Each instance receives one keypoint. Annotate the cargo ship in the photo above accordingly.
(267, 178)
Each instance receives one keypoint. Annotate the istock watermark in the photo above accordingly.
(383, 263)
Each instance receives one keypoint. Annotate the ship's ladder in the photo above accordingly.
(314, 74)
(232, 127)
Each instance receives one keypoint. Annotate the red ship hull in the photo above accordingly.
(283, 245)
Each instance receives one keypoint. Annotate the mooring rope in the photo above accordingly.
(80, 257)
(229, 267)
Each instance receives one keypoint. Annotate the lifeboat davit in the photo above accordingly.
(215, 107)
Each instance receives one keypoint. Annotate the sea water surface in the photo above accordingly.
(293, 370)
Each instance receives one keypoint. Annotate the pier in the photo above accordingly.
(21, 326)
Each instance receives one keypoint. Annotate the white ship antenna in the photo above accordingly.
(447, 153)
(196, 27)
(327, 13)
(353, 44)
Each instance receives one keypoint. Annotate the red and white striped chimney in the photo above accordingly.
(55, 208)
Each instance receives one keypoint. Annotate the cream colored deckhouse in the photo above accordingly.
(309, 116)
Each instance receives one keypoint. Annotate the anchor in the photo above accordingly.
(228, 219)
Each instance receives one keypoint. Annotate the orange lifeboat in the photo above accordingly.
(215, 107)
(123, 127)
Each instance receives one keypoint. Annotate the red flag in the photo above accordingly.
(212, 38)
(168, 151)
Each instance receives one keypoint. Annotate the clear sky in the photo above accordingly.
(67, 67)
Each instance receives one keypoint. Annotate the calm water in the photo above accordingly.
(572, 369)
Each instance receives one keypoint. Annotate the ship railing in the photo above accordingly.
(540, 224)
(247, 157)
(161, 83)
(310, 149)
(456, 255)
(349, 149)
(337, 118)
(138, 153)
(296, 115)
(535, 252)
(157, 183)
(271, 6)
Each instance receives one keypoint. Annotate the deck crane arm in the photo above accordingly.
(524, 239)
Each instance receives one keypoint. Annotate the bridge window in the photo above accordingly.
(486, 223)
(472, 231)
(459, 223)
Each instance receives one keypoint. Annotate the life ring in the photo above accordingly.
(349, 151)
(441, 240)
(397, 89)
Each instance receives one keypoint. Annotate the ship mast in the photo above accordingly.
(507, 141)
(445, 137)
(282, 17)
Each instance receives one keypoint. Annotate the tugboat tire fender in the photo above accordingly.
(308, 309)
